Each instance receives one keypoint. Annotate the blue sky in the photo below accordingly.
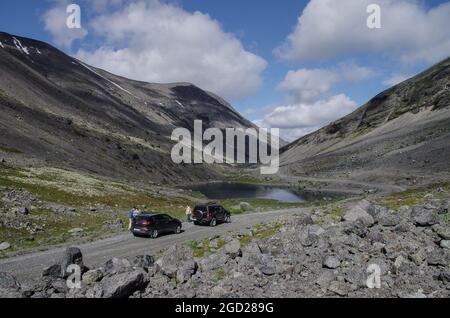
(274, 70)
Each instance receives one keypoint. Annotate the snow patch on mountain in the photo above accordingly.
(20, 47)
(106, 79)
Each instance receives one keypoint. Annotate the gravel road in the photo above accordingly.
(29, 267)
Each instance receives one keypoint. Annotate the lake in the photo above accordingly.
(223, 191)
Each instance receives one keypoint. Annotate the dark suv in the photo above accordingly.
(210, 214)
(154, 224)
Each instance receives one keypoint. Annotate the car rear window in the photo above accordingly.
(143, 217)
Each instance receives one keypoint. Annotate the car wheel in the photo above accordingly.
(213, 222)
(155, 234)
(228, 219)
(196, 223)
(178, 230)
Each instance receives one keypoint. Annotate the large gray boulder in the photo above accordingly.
(71, 256)
(8, 281)
(125, 284)
(173, 259)
(186, 271)
(359, 212)
(233, 248)
(424, 217)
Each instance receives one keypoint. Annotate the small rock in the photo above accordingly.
(267, 270)
(325, 278)
(4, 246)
(214, 244)
(315, 230)
(75, 231)
(24, 211)
(331, 262)
(445, 244)
(92, 276)
(443, 232)
(339, 288)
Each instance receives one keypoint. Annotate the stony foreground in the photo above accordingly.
(303, 256)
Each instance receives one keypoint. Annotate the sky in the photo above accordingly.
(293, 65)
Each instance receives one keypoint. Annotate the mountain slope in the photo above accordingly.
(402, 135)
(58, 111)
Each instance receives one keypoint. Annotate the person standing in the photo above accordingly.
(189, 213)
(131, 215)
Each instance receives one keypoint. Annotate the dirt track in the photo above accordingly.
(29, 267)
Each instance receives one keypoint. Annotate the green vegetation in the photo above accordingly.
(200, 248)
(336, 212)
(261, 232)
(14, 178)
(219, 275)
(415, 196)
(112, 200)
(10, 150)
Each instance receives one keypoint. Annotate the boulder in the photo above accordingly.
(173, 259)
(142, 261)
(233, 248)
(71, 256)
(92, 276)
(443, 232)
(325, 278)
(389, 219)
(125, 284)
(9, 282)
(116, 265)
(423, 217)
(359, 211)
(186, 271)
(445, 244)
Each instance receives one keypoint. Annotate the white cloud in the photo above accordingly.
(336, 28)
(299, 119)
(396, 79)
(305, 85)
(55, 23)
(156, 42)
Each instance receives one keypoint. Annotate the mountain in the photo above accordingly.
(400, 136)
(57, 111)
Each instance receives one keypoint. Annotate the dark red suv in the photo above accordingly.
(210, 214)
(155, 224)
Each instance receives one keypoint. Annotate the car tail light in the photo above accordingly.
(146, 222)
